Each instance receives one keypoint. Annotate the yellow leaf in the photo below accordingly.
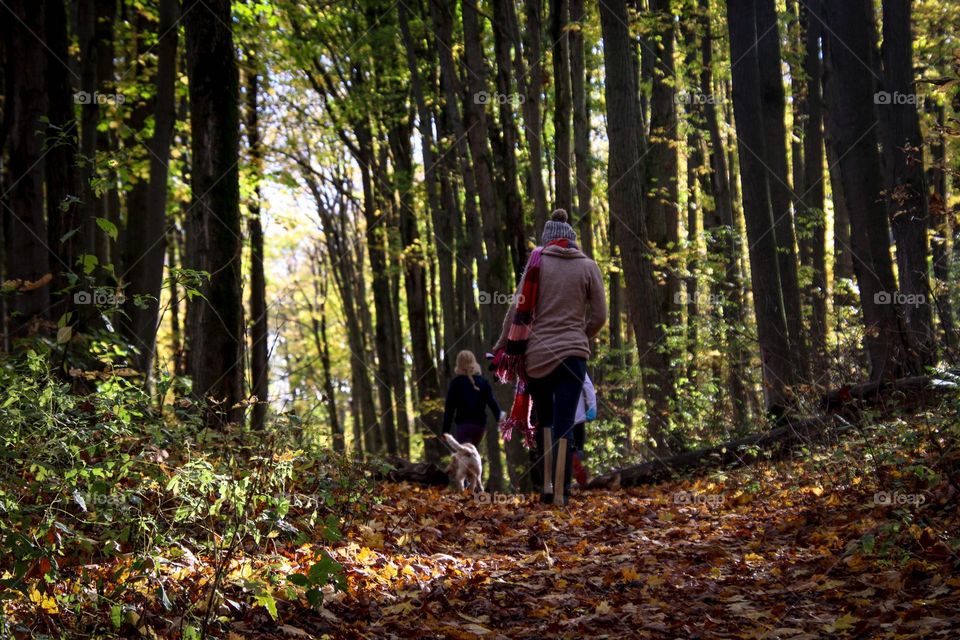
(629, 574)
(846, 621)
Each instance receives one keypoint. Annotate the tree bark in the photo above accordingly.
(147, 228)
(533, 122)
(581, 125)
(27, 254)
(852, 122)
(907, 204)
(259, 329)
(662, 195)
(626, 206)
(563, 193)
(215, 326)
(777, 357)
(60, 161)
(774, 153)
(812, 198)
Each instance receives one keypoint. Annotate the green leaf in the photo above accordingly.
(868, 541)
(266, 600)
(108, 227)
(64, 334)
(116, 616)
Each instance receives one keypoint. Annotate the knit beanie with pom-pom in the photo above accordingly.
(557, 227)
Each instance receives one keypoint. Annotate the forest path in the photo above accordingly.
(771, 552)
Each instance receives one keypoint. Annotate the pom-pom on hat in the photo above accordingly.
(557, 227)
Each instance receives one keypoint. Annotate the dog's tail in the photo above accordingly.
(452, 443)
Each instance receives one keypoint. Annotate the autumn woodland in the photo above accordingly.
(479, 319)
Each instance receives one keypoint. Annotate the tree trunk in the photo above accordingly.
(503, 28)
(812, 198)
(215, 329)
(259, 330)
(146, 228)
(563, 194)
(25, 107)
(531, 109)
(626, 206)
(581, 125)
(774, 153)
(493, 269)
(852, 122)
(907, 204)
(779, 370)
(940, 224)
(724, 233)
(662, 195)
(60, 161)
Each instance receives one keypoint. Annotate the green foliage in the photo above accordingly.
(105, 479)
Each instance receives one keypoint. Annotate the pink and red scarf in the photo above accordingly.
(510, 363)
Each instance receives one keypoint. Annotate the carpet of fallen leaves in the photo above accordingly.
(776, 552)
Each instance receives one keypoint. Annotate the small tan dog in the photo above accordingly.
(465, 466)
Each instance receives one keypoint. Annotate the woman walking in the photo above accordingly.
(468, 397)
(545, 343)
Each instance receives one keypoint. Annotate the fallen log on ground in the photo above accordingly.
(418, 472)
(844, 406)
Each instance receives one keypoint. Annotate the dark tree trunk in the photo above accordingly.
(812, 197)
(108, 205)
(259, 329)
(426, 384)
(724, 237)
(774, 153)
(504, 24)
(60, 161)
(581, 125)
(147, 228)
(215, 325)
(851, 120)
(492, 269)
(318, 325)
(907, 204)
(662, 195)
(563, 193)
(429, 392)
(626, 206)
(25, 107)
(940, 224)
(531, 109)
(779, 370)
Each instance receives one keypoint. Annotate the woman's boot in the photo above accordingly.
(546, 494)
(563, 471)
